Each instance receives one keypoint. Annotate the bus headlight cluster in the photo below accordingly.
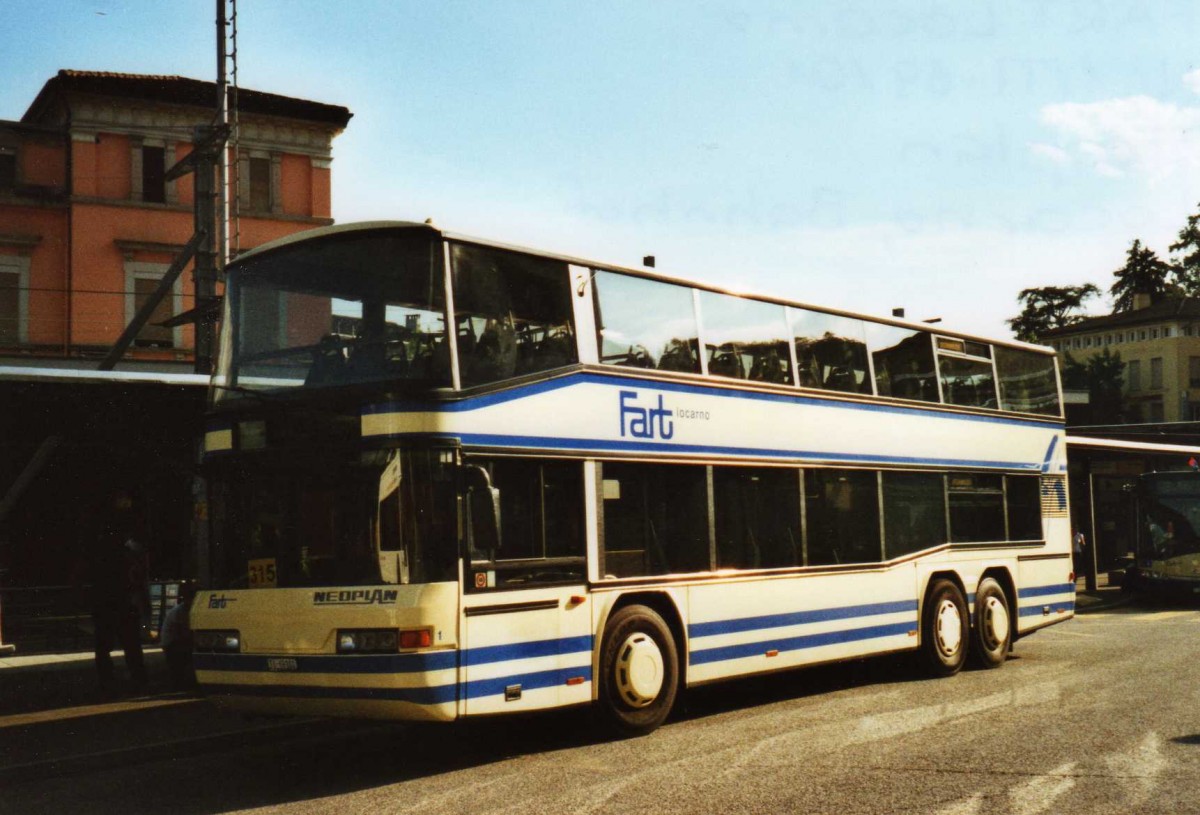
(217, 641)
(368, 641)
(381, 640)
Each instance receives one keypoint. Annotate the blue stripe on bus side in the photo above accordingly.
(401, 663)
(438, 695)
(1041, 591)
(529, 681)
(525, 391)
(1037, 611)
(548, 442)
(335, 664)
(797, 618)
(527, 650)
(741, 651)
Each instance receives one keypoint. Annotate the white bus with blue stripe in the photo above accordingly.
(450, 477)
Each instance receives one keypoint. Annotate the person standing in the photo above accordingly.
(177, 639)
(117, 581)
(1078, 545)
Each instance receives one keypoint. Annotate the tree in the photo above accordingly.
(1143, 273)
(1103, 376)
(1187, 268)
(1049, 307)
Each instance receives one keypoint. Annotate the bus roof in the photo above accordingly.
(367, 226)
(1131, 446)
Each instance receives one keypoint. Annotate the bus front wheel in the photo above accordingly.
(944, 629)
(992, 632)
(639, 671)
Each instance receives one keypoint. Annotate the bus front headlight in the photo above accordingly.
(224, 642)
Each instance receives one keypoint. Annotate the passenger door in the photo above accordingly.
(526, 624)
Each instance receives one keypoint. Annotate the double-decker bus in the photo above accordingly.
(450, 477)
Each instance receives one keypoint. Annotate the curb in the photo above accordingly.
(1104, 605)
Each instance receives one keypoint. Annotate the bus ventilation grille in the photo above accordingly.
(1054, 496)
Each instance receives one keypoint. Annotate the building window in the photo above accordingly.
(8, 169)
(154, 182)
(1133, 375)
(1156, 378)
(1154, 410)
(141, 281)
(1142, 334)
(260, 184)
(1194, 372)
(14, 300)
(1153, 333)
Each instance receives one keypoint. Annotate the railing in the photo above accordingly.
(48, 619)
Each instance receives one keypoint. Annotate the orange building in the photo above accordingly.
(88, 226)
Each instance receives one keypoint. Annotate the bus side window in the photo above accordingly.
(914, 512)
(745, 339)
(655, 519)
(842, 516)
(645, 323)
(514, 313)
(757, 515)
(903, 359)
(1023, 505)
(541, 514)
(831, 351)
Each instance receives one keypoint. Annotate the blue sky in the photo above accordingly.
(936, 156)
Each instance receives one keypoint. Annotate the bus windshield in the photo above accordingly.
(361, 307)
(1170, 515)
(389, 517)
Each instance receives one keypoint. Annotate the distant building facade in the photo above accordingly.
(1159, 344)
(88, 222)
(88, 226)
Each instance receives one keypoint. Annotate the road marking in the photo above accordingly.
(1142, 765)
(1038, 794)
(967, 806)
(63, 714)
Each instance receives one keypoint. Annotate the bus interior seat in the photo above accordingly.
(726, 361)
(329, 361)
(841, 378)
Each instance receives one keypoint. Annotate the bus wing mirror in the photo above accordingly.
(483, 519)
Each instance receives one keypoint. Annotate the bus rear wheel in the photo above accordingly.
(944, 629)
(639, 671)
(992, 632)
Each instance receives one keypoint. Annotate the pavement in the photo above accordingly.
(55, 721)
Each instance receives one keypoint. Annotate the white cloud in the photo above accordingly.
(1192, 80)
(1139, 137)
(1051, 153)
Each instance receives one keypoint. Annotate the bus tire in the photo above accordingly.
(944, 629)
(639, 671)
(991, 636)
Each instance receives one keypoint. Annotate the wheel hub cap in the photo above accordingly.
(996, 620)
(949, 628)
(639, 670)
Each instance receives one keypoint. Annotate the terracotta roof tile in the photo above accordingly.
(183, 91)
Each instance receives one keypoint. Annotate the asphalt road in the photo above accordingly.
(1101, 714)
